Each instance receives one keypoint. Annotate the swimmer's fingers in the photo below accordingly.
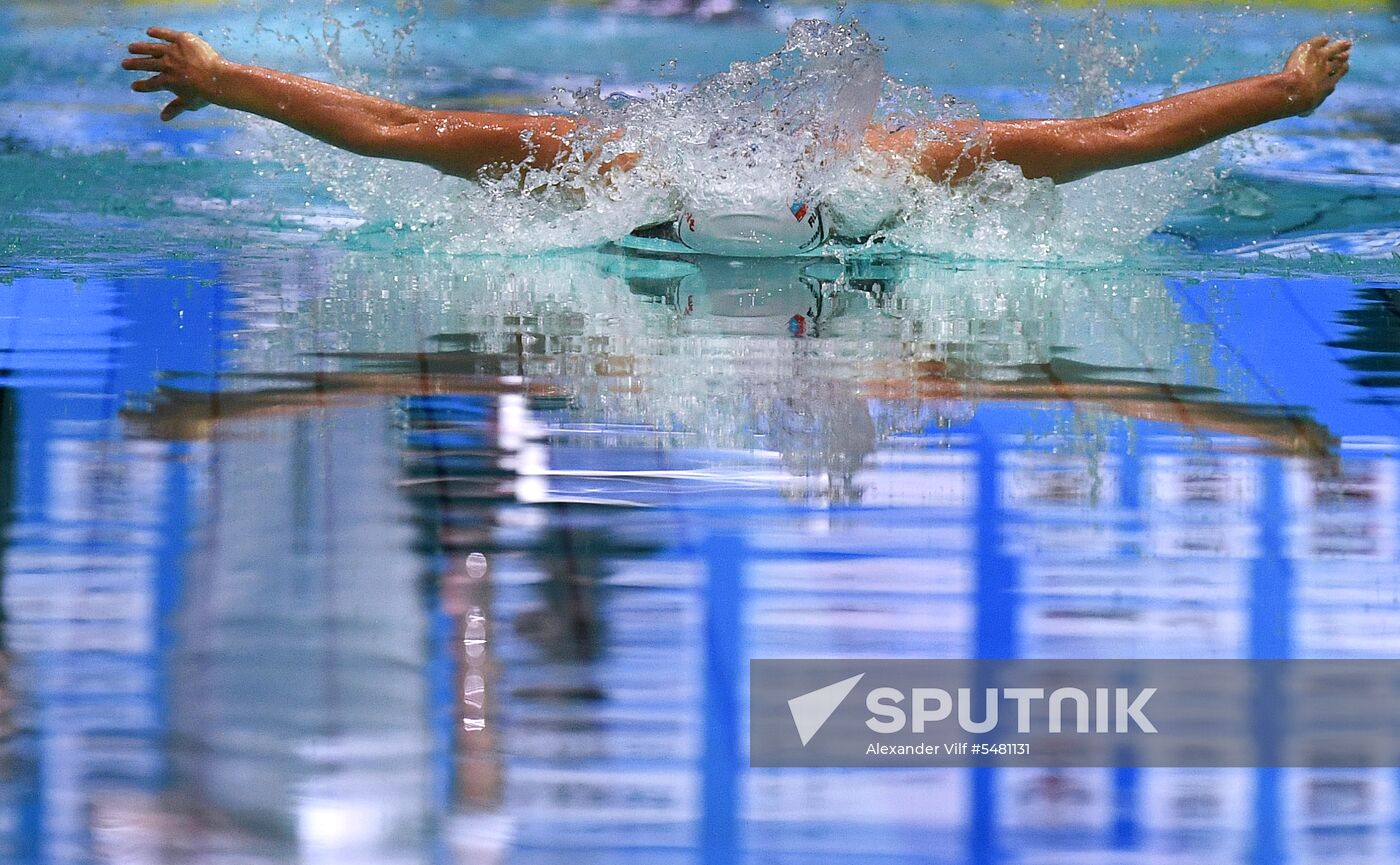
(1336, 47)
(174, 108)
(1339, 62)
(143, 64)
(167, 34)
(179, 105)
(152, 49)
(150, 85)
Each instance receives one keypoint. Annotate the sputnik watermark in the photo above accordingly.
(1117, 710)
(931, 705)
(1074, 713)
(812, 709)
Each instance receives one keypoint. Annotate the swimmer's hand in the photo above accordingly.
(185, 65)
(1313, 70)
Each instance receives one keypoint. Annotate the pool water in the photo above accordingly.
(323, 543)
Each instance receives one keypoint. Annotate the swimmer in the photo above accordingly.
(469, 143)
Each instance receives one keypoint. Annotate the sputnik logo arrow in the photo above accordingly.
(811, 710)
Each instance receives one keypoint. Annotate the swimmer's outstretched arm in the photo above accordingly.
(461, 143)
(1065, 150)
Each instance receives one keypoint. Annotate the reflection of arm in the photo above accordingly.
(1285, 433)
(184, 415)
(181, 415)
(1184, 406)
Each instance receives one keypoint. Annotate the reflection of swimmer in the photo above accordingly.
(702, 344)
(474, 144)
(183, 414)
(760, 296)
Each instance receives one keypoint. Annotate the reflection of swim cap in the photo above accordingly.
(754, 232)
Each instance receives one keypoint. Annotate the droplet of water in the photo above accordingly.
(476, 566)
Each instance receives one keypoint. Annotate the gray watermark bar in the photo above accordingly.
(1066, 713)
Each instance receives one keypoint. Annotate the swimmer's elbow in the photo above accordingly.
(1121, 139)
(1067, 150)
(375, 142)
(416, 138)
(1041, 149)
(399, 139)
(462, 144)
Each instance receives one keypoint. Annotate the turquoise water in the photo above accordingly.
(325, 544)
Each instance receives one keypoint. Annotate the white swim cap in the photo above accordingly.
(755, 231)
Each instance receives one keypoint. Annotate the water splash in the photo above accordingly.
(764, 132)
